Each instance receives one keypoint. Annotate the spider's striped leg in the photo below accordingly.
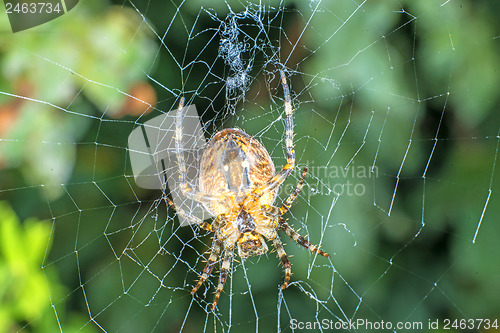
(288, 202)
(299, 239)
(214, 255)
(181, 161)
(193, 219)
(290, 152)
(224, 272)
(284, 259)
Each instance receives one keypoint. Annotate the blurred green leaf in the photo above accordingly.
(54, 71)
(24, 286)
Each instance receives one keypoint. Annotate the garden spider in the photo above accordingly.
(238, 185)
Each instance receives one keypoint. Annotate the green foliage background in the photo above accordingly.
(393, 75)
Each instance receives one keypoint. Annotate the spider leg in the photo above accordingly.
(179, 152)
(224, 272)
(290, 153)
(193, 219)
(278, 245)
(288, 202)
(299, 239)
(214, 255)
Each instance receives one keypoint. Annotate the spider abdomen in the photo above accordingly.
(234, 164)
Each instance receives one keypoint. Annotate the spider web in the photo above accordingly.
(394, 116)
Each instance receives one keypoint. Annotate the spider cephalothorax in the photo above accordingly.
(249, 241)
(238, 184)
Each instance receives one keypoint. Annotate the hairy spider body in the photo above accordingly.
(234, 164)
(238, 184)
